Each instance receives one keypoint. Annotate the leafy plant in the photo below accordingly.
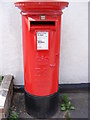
(66, 104)
(13, 116)
(72, 108)
(65, 98)
(68, 115)
(1, 78)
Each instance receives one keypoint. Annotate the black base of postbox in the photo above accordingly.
(41, 107)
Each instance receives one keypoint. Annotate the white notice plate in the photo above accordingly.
(42, 40)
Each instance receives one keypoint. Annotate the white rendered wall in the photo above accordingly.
(74, 44)
(74, 48)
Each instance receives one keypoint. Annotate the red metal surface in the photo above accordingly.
(41, 67)
(40, 5)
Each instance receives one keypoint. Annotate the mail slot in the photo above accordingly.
(41, 26)
(42, 23)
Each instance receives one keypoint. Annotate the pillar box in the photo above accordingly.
(41, 30)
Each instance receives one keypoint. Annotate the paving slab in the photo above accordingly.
(78, 99)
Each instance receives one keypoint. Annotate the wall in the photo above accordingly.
(74, 44)
(10, 41)
(74, 49)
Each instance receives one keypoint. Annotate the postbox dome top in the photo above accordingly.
(31, 5)
(40, 1)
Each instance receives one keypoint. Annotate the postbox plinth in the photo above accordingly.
(41, 26)
(41, 107)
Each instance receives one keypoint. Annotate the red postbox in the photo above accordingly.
(41, 26)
